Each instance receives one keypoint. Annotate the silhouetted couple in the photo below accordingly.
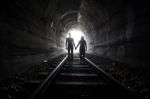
(70, 46)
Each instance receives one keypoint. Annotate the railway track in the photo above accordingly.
(22, 85)
(80, 81)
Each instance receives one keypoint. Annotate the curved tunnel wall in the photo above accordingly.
(118, 29)
(32, 32)
(26, 34)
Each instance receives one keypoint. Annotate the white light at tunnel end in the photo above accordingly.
(76, 34)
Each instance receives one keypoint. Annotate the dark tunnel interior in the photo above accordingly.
(32, 31)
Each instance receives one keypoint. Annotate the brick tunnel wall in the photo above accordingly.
(118, 29)
(26, 35)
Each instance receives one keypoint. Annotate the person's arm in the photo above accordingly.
(73, 42)
(66, 43)
(77, 45)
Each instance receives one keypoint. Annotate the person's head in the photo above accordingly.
(82, 37)
(69, 34)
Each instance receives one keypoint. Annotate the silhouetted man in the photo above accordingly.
(83, 48)
(69, 45)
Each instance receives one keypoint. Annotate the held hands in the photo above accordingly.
(75, 48)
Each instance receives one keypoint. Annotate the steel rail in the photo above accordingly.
(46, 83)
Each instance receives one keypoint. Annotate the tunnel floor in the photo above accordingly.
(133, 80)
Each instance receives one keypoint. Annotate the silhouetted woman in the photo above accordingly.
(83, 48)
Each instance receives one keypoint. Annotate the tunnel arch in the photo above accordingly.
(32, 29)
(68, 18)
(68, 13)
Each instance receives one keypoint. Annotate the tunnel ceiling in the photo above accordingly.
(46, 16)
(66, 12)
(48, 20)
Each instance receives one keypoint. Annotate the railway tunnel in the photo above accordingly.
(117, 34)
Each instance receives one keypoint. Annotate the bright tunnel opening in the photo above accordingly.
(76, 34)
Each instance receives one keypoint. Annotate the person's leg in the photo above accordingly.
(69, 55)
(72, 55)
(83, 56)
(80, 56)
